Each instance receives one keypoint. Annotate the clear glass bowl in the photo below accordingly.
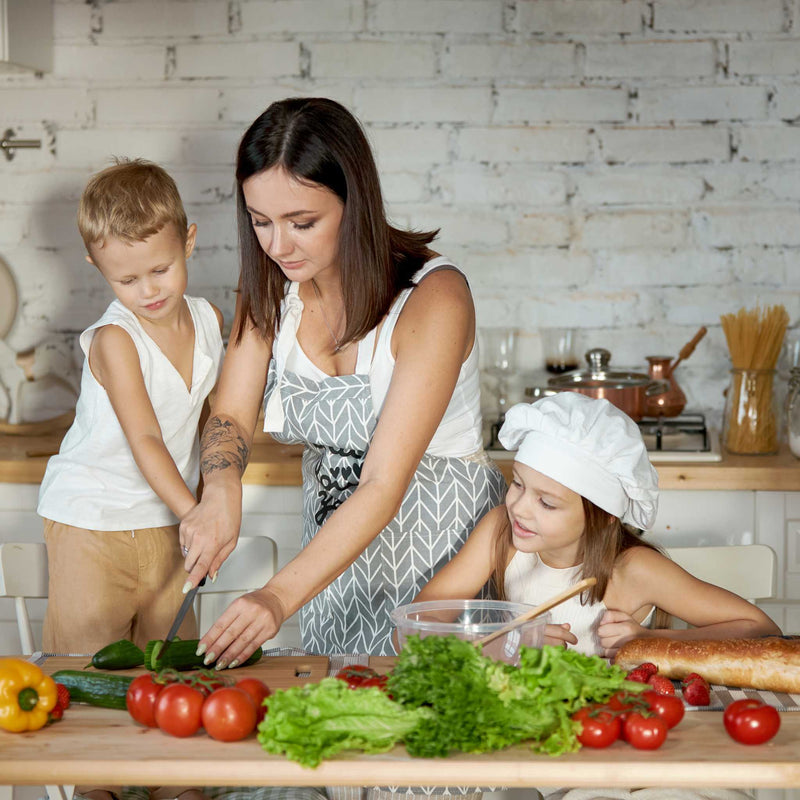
(470, 620)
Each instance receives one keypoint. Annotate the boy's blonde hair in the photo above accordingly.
(130, 200)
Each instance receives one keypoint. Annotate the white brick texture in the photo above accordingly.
(628, 167)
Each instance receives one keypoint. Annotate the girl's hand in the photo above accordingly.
(559, 635)
(248, 621)
(616, 628)
(209, 532)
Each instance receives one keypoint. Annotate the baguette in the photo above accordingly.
(770, 663)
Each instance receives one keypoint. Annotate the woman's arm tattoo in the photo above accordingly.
(222, 446)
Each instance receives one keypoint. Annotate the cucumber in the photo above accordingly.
(104, 689)
(182, 655)
(123, 654)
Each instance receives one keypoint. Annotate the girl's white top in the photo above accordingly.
(94, 482)
(459, 433)
(529, 580)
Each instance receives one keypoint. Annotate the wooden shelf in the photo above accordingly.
(23, 460)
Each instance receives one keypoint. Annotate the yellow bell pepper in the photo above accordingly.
(27, 696)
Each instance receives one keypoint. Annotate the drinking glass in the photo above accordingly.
(500, 360)
(560, 350)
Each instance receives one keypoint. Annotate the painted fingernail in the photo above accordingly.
(221, 665)
(186, 587)
(214, 577)
(201, 648)
(233, 664)
(210, 658)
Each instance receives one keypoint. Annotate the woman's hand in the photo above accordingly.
(248, 621)
(209, 532)
(616, 628)
(559, 635)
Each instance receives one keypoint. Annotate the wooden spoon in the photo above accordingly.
(540, 609)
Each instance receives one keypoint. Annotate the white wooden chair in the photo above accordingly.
(23, 575)
(748, 570)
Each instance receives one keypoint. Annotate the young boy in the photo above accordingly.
(128, 467)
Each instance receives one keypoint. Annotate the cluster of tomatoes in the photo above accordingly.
(642, 720)
(357, 676)
(181, 705)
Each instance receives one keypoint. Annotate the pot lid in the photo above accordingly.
(598, 375)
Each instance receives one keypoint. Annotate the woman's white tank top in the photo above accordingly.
(459, 433)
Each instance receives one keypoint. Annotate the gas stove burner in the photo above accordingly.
(679, 438)
(685, 432)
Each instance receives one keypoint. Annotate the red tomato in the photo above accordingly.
(207, 686)
(666, 706)
(750, 721)
(645, 733)
(178, 709)
(380, 681)
(623, 703)
(229, 714)
(258, 691)
(141, 699)
(600, 728)
(355, 675)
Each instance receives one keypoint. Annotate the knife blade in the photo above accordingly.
(182, 611)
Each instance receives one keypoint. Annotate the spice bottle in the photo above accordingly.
(793, 412)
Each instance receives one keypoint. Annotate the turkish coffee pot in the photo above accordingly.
(662, 368)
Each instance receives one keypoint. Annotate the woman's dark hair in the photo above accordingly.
(605, 539)
(318, 141)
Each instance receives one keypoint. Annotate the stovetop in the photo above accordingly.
(682, 438)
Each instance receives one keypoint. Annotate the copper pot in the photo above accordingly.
(628, 391)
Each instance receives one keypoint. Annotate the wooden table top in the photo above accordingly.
(23, 460)
(93, 745)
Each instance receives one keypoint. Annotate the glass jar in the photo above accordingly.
(793, 412)
(751, 420)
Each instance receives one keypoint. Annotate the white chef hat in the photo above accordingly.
(589, 446)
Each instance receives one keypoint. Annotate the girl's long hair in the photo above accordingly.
(605, 539)
(319, 142)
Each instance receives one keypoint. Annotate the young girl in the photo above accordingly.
(582, 482)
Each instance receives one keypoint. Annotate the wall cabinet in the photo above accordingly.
(26, 35)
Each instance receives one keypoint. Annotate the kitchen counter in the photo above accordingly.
(23, 460)
(100, 746)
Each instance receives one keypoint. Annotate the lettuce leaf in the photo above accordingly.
(445, 697)
(316, 721)
(482, 705)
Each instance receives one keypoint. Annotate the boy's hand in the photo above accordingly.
(208, 533)
(616, 628)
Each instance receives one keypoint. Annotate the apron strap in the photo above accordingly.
(281, 347)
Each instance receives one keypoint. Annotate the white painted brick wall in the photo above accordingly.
(641, 146)
(630, 167)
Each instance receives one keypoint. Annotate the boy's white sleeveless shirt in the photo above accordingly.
(94, 482)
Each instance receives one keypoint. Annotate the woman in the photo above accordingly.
(365, 340)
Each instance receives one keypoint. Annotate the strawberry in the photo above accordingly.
(661, 684)
(63, 696)
(696, 691)
(641, 673)
(62, 703)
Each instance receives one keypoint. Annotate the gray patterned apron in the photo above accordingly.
(335, 420)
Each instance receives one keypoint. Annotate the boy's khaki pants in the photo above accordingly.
(111, 585)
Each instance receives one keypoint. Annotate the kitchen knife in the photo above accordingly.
(185, 606)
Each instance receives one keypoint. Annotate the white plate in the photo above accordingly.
(8, 299)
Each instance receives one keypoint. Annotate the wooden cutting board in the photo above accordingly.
(278, 672)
